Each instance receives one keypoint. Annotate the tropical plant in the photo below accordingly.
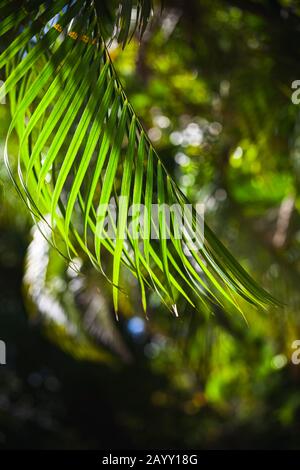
(81, 144)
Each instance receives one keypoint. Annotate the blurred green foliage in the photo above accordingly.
(211, 82)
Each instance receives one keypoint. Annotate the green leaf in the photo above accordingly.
(82, 144)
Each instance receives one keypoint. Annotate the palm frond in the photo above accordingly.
(81, 146)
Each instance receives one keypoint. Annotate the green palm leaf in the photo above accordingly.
(81, 144)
